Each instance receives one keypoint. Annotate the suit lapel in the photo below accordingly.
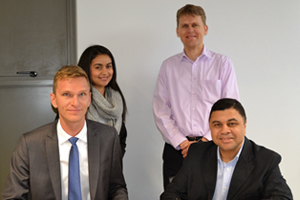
(209, 172)
(53, 160)
(94, 158)
(242, 170)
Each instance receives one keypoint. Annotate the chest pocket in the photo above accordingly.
(211, 90)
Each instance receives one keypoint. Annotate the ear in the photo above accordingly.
(90, 97)
(245, 125)
(53, 100)
(205, 29)
(177, 32)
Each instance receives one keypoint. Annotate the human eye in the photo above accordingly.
(109, 66)
(194, 25)
(65, 94)
(97, 66)
(82, 94)
(232, 124)
(216, 125)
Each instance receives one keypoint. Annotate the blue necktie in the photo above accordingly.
(74, 173)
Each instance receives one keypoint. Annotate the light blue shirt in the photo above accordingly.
(225, 171)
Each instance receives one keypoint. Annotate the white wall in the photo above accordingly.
(261, 37)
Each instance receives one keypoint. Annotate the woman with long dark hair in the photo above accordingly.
(108, 104)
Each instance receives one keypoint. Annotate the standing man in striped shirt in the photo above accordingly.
(187, 86)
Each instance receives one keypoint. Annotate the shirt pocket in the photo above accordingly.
(211, 90)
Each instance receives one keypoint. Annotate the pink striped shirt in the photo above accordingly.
(186, 90)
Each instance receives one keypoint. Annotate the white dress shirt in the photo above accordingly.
(64, 146)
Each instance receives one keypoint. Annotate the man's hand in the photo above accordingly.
(184, 146)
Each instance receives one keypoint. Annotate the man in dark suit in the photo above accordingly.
(230, 166)
(40, 163)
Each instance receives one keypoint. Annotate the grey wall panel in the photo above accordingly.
(34, 36)
(23, 108)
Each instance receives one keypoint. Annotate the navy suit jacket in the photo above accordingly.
(35, 165)
(256, 175)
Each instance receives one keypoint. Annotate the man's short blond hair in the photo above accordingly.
(69, 71)
(190, 9)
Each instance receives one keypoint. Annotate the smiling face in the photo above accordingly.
(191, 31)
(72, 98)
(101, 70)
(228, 130)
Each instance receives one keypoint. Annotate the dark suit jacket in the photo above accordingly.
(256, 175)
(35, 165)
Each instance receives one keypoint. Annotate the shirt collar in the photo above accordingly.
(63, 136)
(237, 155)
(205, 53)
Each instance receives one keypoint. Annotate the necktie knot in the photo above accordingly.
(73, 140)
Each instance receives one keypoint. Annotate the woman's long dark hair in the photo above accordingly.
(85, 62)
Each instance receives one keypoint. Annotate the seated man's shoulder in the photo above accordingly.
(36, 138)
(104, 128)
(263, 152)
(41, 131)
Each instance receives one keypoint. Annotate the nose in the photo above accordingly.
(190, 28)
(104, 71)
(225, 130)
(75, 100)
